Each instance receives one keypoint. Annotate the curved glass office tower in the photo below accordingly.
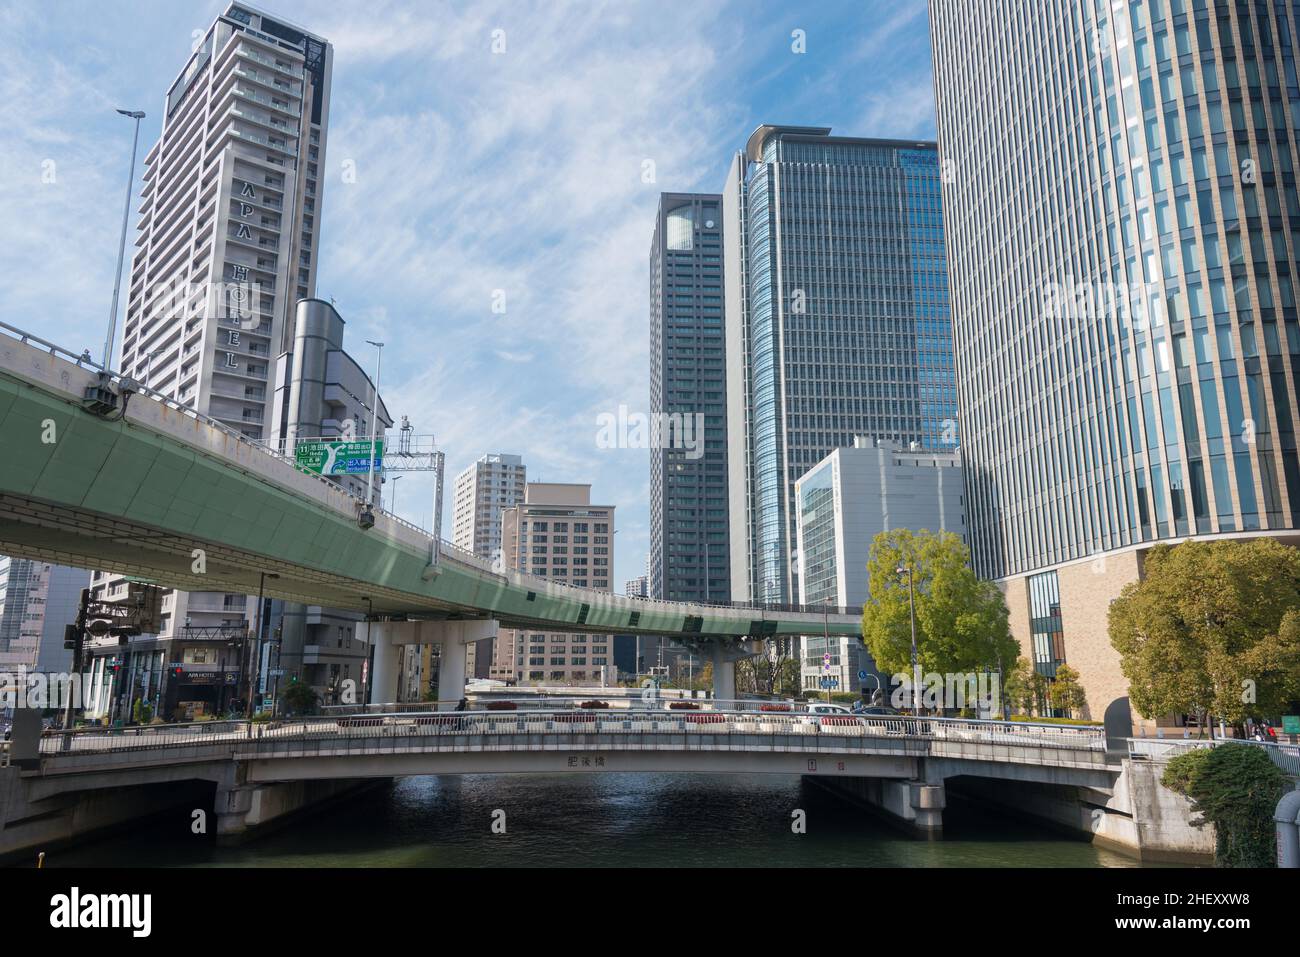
(837, 323)
(1123, 229)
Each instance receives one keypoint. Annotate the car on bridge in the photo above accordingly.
(877, 710)
(821, 707)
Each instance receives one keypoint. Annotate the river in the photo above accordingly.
(630, 820)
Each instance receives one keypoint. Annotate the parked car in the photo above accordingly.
(877, 710)
(821, 707)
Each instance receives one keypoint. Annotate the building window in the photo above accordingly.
(1045, 623)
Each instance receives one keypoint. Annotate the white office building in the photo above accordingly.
(844, 502)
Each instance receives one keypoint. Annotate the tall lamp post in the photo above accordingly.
(365, 666)
(374, 420)
(826, 644)
(148, 366)
(392, 504)
(136, 115)
(916, 660)
(254, 665)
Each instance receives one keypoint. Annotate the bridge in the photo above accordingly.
(58, 785)
(100, 472)
(262, 771)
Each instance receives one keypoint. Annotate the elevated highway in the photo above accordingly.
(153, 490)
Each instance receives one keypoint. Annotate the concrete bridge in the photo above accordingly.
(902, 767)
(100, 472)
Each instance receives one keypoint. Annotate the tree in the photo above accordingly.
(1017, 687)
(300, 698)
(771, 672)
(1236, 788)
(703, 678)
(787, 683)
(1065, 693)
(961, 619)
(1212, 629)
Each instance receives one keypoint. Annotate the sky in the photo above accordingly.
(526, 177)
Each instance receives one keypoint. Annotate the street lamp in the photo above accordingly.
(136, 115)
(826, 644)
(392, 505)
(916, 661)
(148, 366)
(253, 665)
(374, 420)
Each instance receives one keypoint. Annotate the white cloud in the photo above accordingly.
(474, 173)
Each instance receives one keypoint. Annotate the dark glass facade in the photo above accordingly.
(689, 551)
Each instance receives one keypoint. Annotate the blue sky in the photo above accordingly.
(474, 171)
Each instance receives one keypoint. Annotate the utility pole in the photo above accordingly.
(916, 660)
(254, 664)
(74, 638)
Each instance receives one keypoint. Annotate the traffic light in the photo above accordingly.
(115, 665)
(178, 672)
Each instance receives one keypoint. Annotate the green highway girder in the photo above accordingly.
(158, 486)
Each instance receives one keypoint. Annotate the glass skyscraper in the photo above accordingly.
(1123, 229)
(837, 323)
(688, 487)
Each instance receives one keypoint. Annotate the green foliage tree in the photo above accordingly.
(300, 698)
(961, 619)
(1212, 629)
(1017, 687)
(1065, 693)
(1236, 788)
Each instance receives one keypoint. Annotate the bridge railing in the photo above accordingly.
(147, 736)
(1285, 756)
(726, 728)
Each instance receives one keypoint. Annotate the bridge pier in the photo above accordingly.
(724, 657)
(914, 805)
(249, 810)
(724, 676)
(383, 680)
(450, 636)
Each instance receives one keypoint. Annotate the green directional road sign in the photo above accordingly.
(1291, 724)
(338, 457)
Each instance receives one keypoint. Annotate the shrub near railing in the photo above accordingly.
(775, 707)
(501, 706)
(594, 704)
(684, 706)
